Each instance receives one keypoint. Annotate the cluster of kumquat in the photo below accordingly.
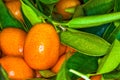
(23, 54)
(27, 53)
(39, 49)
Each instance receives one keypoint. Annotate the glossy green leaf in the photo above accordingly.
(47, 73)
(82, 63)
(85, 43)
(7, 19)
(93, 7)
(30, 14)
(93, 21)
(111, 60)
(38, 13)
(49, 1)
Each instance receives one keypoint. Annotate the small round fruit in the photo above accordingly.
(16, 68)
(41, 49)
(64, 4)
(12, 41)
(14, 8)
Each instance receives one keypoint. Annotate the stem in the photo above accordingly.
(79, 74)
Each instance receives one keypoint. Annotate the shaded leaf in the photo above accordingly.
(95, 7)
(78, 12)
(49, 1)
(82, 63)
(112, 75)
(108, 31)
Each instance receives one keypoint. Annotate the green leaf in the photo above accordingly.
(26, 22)
(117, 9)
(82, 63)
(93, 21)
(30, 14)
(108, 31)
(3, 74)
(99, 31)
(95, 7)
(117, 6)
(47, 73)
(49, 1)
(63, 73)
(47, 8)
(6, 19)
(111, 60)
(114, 35)
(85, 43)
(78, 12)
(85, 1)
(38, 13)
(112, 75)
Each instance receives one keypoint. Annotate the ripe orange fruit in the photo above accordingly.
(14, 8)
(62, 49)
(41, 49)
(64, 4)
(60, 61)
(12, 41)
(16, 67)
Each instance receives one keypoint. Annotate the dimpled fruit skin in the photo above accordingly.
(12, 41)
(16, 68)
(41, 49)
